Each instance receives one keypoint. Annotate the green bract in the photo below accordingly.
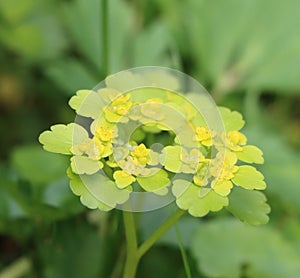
(154, 140)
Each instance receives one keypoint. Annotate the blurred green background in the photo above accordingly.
(245, 52)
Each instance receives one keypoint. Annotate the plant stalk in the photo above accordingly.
(132, 258)
(135, 253)
(104, 38)
(161, 230)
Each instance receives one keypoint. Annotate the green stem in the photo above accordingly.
(134, 254)
(183, 253)
(160, 232)
(105, 47)
(132, 258)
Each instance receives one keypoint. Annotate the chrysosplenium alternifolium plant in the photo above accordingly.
(143, 139)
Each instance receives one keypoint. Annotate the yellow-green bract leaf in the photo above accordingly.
(105, 190)
(249, 206)
(170, 158)
(249, 178)
(123, 179)
(61, 137)
(155, 182)
(187, 198)
(232, 120)
(223, 187)
(87, 103)
(86, 198)
(251, 154)
(84, 165)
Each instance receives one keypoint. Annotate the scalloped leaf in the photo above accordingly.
(170, 158)
(187, 198)
(222, 247)
(249, 206)
(223, 187)
(232, 120)
(123, 179)
(251, 154)
(84, 165)
(154, 183)
(249, 177)
(87, 103)
(105, 190)
(86, 198)
(61, 137)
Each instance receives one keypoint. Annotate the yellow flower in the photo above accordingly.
(106, 148)
(234, 140)
(118, 109)
(106, 134)
(223, 166)
(204, 136)
(130, 165)
(89, 147)
(202, 173)
(191, 160)
(141, 153)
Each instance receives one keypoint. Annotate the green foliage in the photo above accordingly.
(234, 43)
(128, 162)
(188, 199)
(246, 53)
(248, 177)
(56, 254)
(213, 242)
(60, 138)
(250, 207)
(156, 182)
(29, 161)
(251, 154)
(232, 120)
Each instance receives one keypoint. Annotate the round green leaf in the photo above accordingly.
(232, 120)
(123, 179)
(170, 158)
(61, 137)
(87, 103)
(86, 198)
(155, 182)
(249, 206)
(84, 165)
(187, 198)
(222, 247)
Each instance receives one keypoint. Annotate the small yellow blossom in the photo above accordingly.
(106, 134)
(130, 165)
(89, 147)
(106, 148)
(118, 109)
(234, 140)
(191, 160)
(223, 166)
(141, 153)
(204, 136)
(202, 174)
